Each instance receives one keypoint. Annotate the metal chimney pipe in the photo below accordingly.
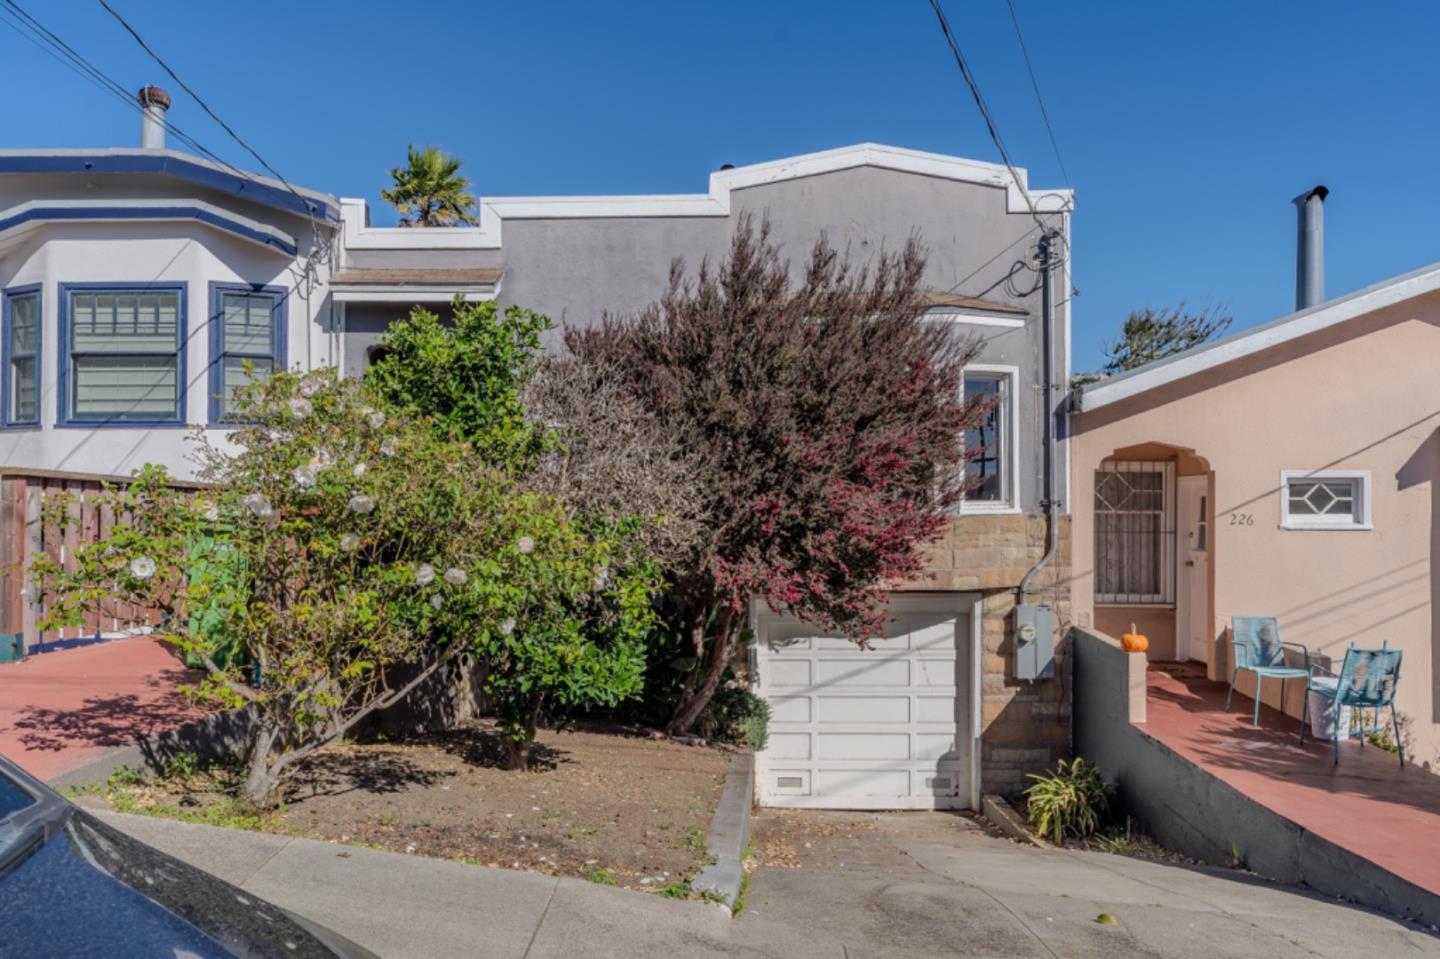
(1310, 248)
(153, 104)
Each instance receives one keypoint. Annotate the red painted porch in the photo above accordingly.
(1366, 804)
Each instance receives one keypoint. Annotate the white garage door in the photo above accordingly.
(890, 727)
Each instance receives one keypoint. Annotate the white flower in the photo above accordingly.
(142, 567)
(526, 544)
(310, 385)
(258, 504)
(211, 512)
(300, 407)
(349, 542)
(456, 576)
(361, 503)
(304, 477)
(388, 447)
(507, 625)
(437, 600)
(424, 574)
(375, 418)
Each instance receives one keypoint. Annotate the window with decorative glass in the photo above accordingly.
(22, 358)
(246, 343)
(988, 442)
(123, 355)
(1135, 533)
(1324, 499)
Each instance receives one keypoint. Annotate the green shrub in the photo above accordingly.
(1071, 801)
(736, 716)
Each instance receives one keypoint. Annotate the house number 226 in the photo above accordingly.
(1242, 519)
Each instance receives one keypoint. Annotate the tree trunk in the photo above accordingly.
(517, 751)
(260, 782)
(722, 648)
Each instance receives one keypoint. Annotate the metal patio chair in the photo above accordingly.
(1257, 648)
(1368, 680)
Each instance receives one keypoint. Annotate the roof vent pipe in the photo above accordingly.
(1310, 248)
(153, 104)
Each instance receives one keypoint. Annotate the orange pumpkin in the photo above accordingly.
(1134, 642)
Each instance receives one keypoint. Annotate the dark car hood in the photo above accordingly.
(90, 890)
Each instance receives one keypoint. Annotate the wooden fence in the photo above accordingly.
(23, 536)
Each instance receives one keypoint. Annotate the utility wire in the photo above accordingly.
(1035, 85)
(32, 30)
(985, 114)
(308, 205)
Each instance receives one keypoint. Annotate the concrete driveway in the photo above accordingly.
(866, 887)
(932, 884)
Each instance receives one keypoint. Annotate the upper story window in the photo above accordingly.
(122, 354)
(1324, 499)
(247, 341)
(22, 357)
(989, 445)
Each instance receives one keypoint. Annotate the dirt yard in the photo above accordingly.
(598, 804)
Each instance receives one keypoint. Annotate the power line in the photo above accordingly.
(1035, 85)
(991, 127)
(31, 29)
(306, 204)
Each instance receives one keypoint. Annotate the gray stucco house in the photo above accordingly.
(930, 719)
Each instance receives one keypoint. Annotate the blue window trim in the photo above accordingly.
(217, 340)
(274, 240)
(63, 419)
(35, 289)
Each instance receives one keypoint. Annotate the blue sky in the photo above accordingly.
(1186, 128)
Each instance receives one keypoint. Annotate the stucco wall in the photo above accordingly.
(161, 253)
(1359, 397)
(576, 270)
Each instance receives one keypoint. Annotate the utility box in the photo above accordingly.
(1034, 642)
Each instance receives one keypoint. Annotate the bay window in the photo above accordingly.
(22, 357)
(247, 341)
(122, 354)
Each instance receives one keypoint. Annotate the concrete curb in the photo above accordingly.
(1004, 818)
(729, 833)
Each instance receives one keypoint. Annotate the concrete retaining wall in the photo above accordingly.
(1193, 812)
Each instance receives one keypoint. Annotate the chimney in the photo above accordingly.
(1310, 248)
(153, 104)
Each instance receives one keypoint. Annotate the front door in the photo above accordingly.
(1192, 593)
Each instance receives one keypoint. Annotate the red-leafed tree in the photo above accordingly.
(827, 420)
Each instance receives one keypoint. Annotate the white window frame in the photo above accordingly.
(1010, 443)
(1359, 518)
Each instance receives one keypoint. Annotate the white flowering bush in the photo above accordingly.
(338, 520)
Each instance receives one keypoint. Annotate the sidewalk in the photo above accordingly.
(408, 906)
(905, 886)
(64, 709)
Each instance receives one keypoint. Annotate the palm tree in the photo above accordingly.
(429, 190)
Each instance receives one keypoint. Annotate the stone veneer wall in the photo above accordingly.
(1025, 726)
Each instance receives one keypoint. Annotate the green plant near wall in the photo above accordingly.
(1072, 801)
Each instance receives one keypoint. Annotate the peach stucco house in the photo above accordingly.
(1288, 470)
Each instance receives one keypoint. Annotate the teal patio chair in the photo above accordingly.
(1257, 648)
(1368, 680)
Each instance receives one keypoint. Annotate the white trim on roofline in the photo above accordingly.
(359, 235)
(1210, 355)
